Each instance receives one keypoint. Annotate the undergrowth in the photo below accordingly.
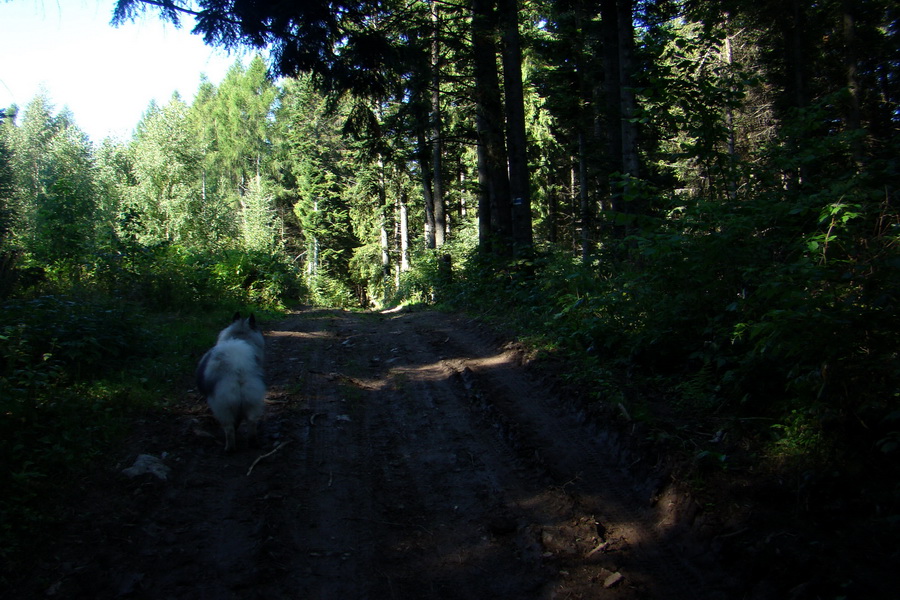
(794, 359)
(79, 360)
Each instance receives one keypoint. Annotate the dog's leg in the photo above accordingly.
(229, 438)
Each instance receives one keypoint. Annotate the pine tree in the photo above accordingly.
(56, 198)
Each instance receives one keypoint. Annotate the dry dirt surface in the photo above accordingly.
(405, 455)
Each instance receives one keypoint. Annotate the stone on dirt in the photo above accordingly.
(147, 463)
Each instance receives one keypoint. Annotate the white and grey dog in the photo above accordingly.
(230, 375)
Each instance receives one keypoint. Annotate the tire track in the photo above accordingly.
(533, 421)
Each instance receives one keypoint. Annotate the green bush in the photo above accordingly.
(256, 277)
(168, 277)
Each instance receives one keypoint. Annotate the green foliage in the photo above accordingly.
(325, 290)
(70, 334)
(260, 226)
(166, 197)
(166, 277)
(429, 282)
(55, 414)
(437, 276)
(256, 278)
(55, 194)
(777, 305)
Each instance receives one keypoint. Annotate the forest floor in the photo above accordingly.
(405, 455)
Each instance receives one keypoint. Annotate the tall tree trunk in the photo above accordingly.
(426, 174)
(489, 121)
(609, 41)
(612, 108)
(854, 119)
(795, 85)
(517, 142)
(627, 103)
(385, 252)
(440, 219)
(385, 249)
(312, 258)
(728, 53)
(617, 36)
(404, 233)
(484, 193)
(463, 193)
(584, 205)
(573, 202)
(553, 207)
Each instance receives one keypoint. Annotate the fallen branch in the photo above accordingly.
(601, 546)
(262, 456)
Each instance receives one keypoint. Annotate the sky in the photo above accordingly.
(105, 75)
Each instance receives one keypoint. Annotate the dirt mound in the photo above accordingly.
(406, 455)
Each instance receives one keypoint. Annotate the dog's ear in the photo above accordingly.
(236, 317)
(252, 321)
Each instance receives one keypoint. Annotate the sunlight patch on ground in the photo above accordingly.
(300, 334)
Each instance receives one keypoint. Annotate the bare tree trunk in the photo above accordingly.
(585, 208)
(404, 233)
(382, 202)
(729, 124)
(553, 208)
(630, 164)
(484, 195)
(795, 88)
(312, 259)
(463, 194)
(519, 180)
(617, 35)
(854, 119)
(573, 197)
(426, 173)
(440, 219)
(609, 39)
(385, 251)
(489, 121)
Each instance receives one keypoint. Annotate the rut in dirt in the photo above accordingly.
(407, 455)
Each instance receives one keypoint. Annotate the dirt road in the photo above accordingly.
(407, 455)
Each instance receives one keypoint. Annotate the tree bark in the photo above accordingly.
(440, 218)
(484, 194)
(517, 143)
(490, 124)
(382, 202)
(854, 118)
(584, 206)
(425, 172)
(617, 36)
(404, 233)
(627, 103)
(609, 40)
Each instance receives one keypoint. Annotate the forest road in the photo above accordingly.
(405, 455)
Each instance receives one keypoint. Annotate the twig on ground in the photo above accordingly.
(601, 546)
(262, 456)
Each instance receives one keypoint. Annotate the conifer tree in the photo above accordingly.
(56, 198)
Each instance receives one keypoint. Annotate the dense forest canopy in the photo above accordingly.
(702, 192)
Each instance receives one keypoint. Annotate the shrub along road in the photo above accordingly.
(405, 455)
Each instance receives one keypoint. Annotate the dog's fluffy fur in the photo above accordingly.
(230, 375)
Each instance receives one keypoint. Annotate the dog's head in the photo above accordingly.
(243, 329)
